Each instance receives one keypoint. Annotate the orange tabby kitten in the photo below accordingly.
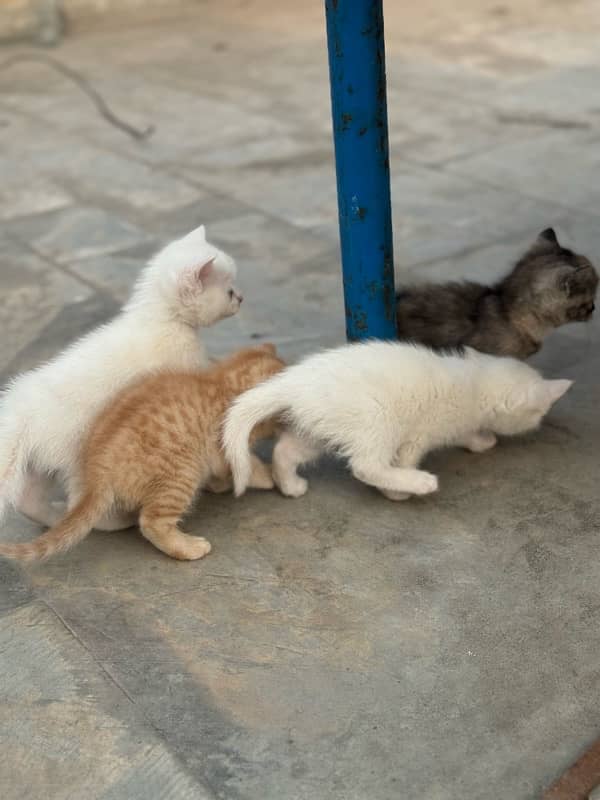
(151, 449)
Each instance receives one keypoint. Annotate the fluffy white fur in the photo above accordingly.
(383, 406)
(45, 412)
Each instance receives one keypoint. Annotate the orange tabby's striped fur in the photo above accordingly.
(152, 448)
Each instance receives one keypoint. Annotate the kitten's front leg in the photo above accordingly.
(479, 442)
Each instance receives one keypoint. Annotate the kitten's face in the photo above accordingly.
(207, 292)
(554, 283)
(218, 299)
(525, 404)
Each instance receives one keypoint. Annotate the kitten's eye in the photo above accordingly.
(231, 293)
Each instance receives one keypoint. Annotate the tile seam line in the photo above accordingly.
(65, 269)
(155, 731)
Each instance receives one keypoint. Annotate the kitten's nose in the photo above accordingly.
(240, 297)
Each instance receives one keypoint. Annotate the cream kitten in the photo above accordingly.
(383, 406)
(45, 413)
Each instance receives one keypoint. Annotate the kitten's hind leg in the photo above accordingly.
(261, 477)
(158, 524)
(162, 509)
(394, 479)
(407, 456)
(116, 521)
(479, 442)
(36, 503)
(113, 520)
(290, 453)
(219, 485)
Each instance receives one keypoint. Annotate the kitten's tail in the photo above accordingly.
(73, 527)
(250, 408)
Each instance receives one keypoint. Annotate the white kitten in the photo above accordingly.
(45, 412)
(383, 406)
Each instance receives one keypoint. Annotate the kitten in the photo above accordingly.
(45, 412)
(383, 406)
(152, 448)
(548, 287)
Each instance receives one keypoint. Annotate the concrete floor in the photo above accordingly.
(339, 646)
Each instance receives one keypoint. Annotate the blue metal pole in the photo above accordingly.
(358, 100)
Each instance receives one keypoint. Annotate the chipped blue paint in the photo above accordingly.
(358, 100)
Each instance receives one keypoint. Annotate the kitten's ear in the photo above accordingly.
(199, 233)
(547, 237)
(192, 279)
(542, 394)
(555, 389)
(204, 270)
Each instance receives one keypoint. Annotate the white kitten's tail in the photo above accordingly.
(14, 455)
(250, 408)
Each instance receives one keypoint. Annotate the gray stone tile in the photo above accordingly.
(430, 128)
(438, 214)
(259, 150)
(276, 246)
(73, 167)
(301, 192)
(59, 708)
(15, 590)
(435, 213)
(486, 264)
(439, 77)
(536, 97)
(210, 207)
(114, 273)
(23, 189)
(543, 168)
(68, 322)
(30, 195)
(183, 122)
(73, 233)
(109, 177)
(33, 293)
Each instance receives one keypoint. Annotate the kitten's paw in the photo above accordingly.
(425, 483)
(197, 548)
(480, 442)
(294, 487)
(395, 496)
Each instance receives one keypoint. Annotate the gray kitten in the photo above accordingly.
(549, 286)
